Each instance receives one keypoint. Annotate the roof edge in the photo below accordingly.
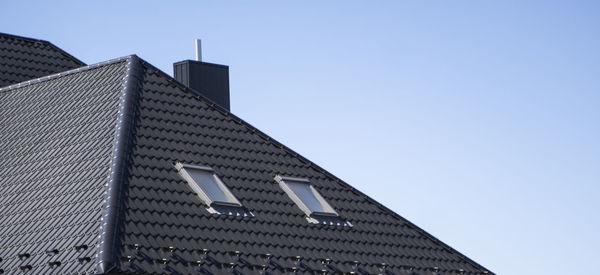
(66, 54)
(365, 196)
(61, 74)
(106, 253)
(35, 40)
(24, 38)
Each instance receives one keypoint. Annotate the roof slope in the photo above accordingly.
(56, 138)
(166, 227)
(88, 161)
(22, 59)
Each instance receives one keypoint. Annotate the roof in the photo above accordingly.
(88, 184)
(22, 59)
(57, 135)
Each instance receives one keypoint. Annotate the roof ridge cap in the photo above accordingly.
(65, 73)
(106, 247)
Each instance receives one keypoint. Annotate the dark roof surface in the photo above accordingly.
(55, 142)
(22, 59)
(160, 224)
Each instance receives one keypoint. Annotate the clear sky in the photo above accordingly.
(479, 121)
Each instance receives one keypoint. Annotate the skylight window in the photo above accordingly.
(306, 196)
(207, 185)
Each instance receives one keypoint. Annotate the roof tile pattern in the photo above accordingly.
(56, 137)
(167, 229)
(22, 59)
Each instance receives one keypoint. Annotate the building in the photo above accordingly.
(118, 168)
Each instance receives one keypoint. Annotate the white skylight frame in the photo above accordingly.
(303, 202)
(186, 172)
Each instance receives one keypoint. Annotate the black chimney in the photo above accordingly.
(210, 80)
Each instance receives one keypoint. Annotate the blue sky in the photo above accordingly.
(477, 120)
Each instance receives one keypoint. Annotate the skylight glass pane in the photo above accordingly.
(305, 193)
(208, 182)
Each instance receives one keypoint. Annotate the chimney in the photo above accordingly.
(210, 80)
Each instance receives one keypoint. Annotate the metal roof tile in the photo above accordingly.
(61, 162)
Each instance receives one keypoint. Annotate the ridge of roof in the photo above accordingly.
(61, 51)
(314, 166)
(105, 253)
(62, 74)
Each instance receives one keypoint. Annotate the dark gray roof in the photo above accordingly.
(22, 59)
(56, 137)
(104, 176)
